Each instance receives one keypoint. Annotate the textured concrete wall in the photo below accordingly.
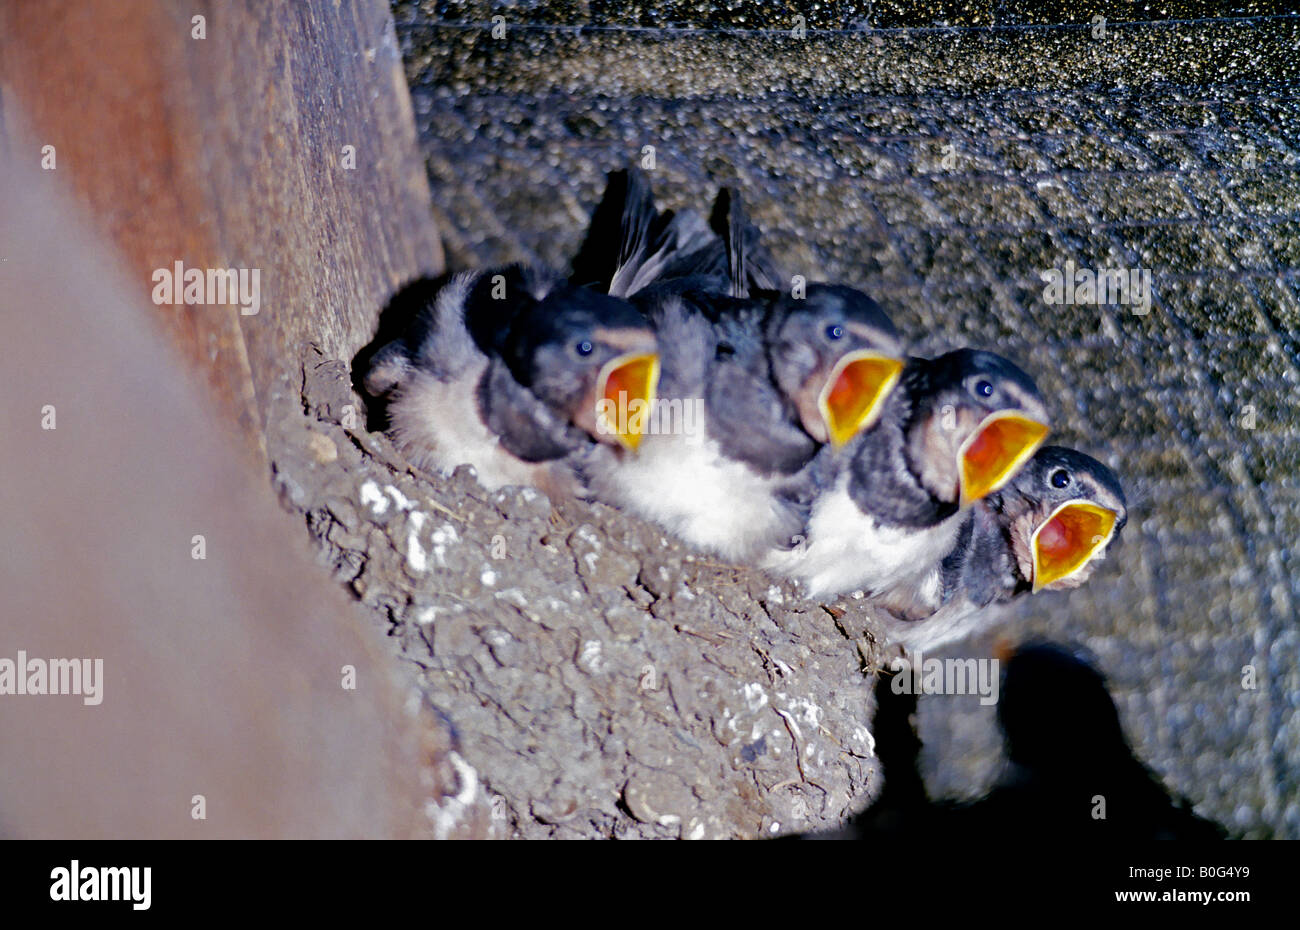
(943, 170)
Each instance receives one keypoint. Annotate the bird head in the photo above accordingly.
(976, 419)
(836, 356)
(1069, 509)
(590, 357)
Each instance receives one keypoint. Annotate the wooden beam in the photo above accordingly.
(217, 135)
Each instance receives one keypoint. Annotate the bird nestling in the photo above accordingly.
(775, 376)
(887, 510)
(512, 371)
(1045, 531)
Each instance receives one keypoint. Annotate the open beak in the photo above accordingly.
(626, 387)
(855, 393)
(1068, 539)
(995, 452)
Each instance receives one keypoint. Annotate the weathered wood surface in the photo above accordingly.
(228, 152)
(223, 676)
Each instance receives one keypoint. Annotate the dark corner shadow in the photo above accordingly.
(395, 322)
(1070, 773)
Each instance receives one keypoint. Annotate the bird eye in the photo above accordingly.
(984, 387)
(585, 347)
(834, 331)
(1060, 478)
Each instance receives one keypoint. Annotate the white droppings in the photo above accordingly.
(755, 697)
(448, 814)
(863, 735)
(468, 779)
(590, 657)
(789, 719)
(489, 577)
(697, 833)
(372, 498)
(806, 711)
(415, 555)
(775, 828)
(400, 499)
(590, 558)
(514, 596)
(775, 596)
(444, 535)
(441, 538)
(426, 615)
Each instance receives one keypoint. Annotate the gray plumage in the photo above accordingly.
(991, 561)
(490, 375)
(887, 510)
(744, 358)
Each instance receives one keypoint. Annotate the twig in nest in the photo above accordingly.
(717, 640)
(443, 509)
(790, 728)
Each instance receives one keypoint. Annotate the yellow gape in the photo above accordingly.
(994, 452)
(855, 393)
(1068, 539)
(627, 385)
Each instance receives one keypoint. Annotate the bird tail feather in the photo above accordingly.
(631, 244)
(750, 266)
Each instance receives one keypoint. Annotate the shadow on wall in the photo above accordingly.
(1070, 776)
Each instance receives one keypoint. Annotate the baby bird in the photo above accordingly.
(758, 380)
(515, 372)
(886, 511)
(1046, 530)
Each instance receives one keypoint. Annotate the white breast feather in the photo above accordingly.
(699, 495)
(437, 426)
(847, 550)
(952, 623)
